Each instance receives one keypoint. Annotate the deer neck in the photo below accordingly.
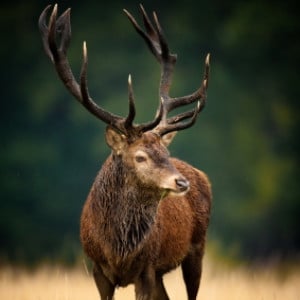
(128, 207)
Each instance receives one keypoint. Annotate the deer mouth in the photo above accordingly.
(182, 185)
(180, 188)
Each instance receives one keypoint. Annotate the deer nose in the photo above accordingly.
(182, 184)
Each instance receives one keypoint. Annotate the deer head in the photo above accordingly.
(122, 132)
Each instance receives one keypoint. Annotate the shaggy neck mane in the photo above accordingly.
(128, 209)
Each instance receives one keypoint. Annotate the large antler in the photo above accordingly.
(56, 38)
(157, 44)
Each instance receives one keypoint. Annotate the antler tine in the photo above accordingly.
(175, 122)
(162, 41)
(131, 114)
(186, 115)
(45, 32)
(153, 35)
(57, 55)
(140, 31)
(87, 101)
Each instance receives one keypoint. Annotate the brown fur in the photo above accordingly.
(133, 233)
(146, 213)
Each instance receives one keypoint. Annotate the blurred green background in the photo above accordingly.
(246, 139)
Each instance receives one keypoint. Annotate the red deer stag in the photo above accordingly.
(146, 212)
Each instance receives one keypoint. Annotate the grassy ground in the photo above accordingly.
(218, 283)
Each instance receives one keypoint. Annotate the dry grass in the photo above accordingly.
(224, 283)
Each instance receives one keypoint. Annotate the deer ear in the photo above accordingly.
(168, 138)
(115, 140)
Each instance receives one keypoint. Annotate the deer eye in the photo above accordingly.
(140, 158)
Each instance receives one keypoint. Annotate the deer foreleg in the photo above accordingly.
(105, 287)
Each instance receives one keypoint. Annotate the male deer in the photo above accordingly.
(146, 212)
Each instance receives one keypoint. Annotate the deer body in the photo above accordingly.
(129, 227)
(146, 212)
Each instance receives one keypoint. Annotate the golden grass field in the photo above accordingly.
(218, 283)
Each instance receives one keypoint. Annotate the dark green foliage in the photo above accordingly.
(246, 139)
